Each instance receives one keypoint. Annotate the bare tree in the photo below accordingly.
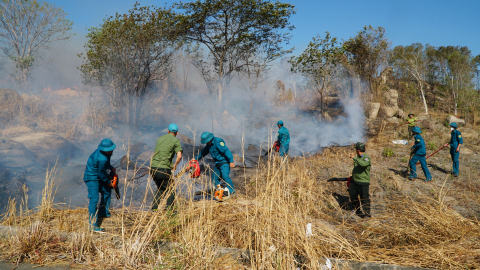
(27, 28)
(413, 60)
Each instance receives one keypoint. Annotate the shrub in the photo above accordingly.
(388, 152)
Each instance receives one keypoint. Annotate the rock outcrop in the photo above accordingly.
(373, 109)
(390, 103)
(453, 119)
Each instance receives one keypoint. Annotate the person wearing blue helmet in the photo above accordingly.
(456, 142)
(162, 166)
(419, 152)
(97, 179)
(223, 160)
(283, 139)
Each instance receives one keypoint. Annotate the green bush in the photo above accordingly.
(388, 152)
(404, 159)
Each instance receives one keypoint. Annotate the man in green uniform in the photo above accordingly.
(360, 183)
(162, 166)
(411, 120)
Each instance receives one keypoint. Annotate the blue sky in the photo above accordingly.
(440, 22)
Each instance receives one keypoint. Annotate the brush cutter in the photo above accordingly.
(402, 124)
(193, 168)
(408, 163)
(276, 146)
(114, 184)
(433, 153)
(345, 179)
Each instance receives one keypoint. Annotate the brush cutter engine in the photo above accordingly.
(114, 184)
(194, 168)
(221, 193)
(276, 146)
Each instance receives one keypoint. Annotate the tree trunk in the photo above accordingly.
(423, 99)
(129, 111)
(138, 110)
(321, 102)
(455, 101)
(251, 106)
(352, 94)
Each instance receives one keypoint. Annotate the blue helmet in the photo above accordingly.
(454, 125)
(417, 130)
(280, 122)
(173, 128)
(106, 145)
(206, 137)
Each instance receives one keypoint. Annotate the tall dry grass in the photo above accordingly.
(270, 219)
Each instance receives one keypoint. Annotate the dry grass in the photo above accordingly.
(415, 229)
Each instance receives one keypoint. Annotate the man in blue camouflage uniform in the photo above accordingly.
(456, 142)
(283, 139)
(97, 179)
(223, 160)
(419, 152)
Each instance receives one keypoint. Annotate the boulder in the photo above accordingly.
(392, 120)
(390, 98)
(126, 163)
(428, 124)
(389, 111)
(401, 114)
(453, 119)
(184, 139)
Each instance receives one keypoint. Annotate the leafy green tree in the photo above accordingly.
(229, 28)
(28, 28)
(476, 64)
(318, 63)
(412, 61)
(456, 71)
(367, 53)
(127, 54)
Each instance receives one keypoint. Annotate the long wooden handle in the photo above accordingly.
(432, 154)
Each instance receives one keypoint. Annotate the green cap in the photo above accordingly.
(360, 146)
